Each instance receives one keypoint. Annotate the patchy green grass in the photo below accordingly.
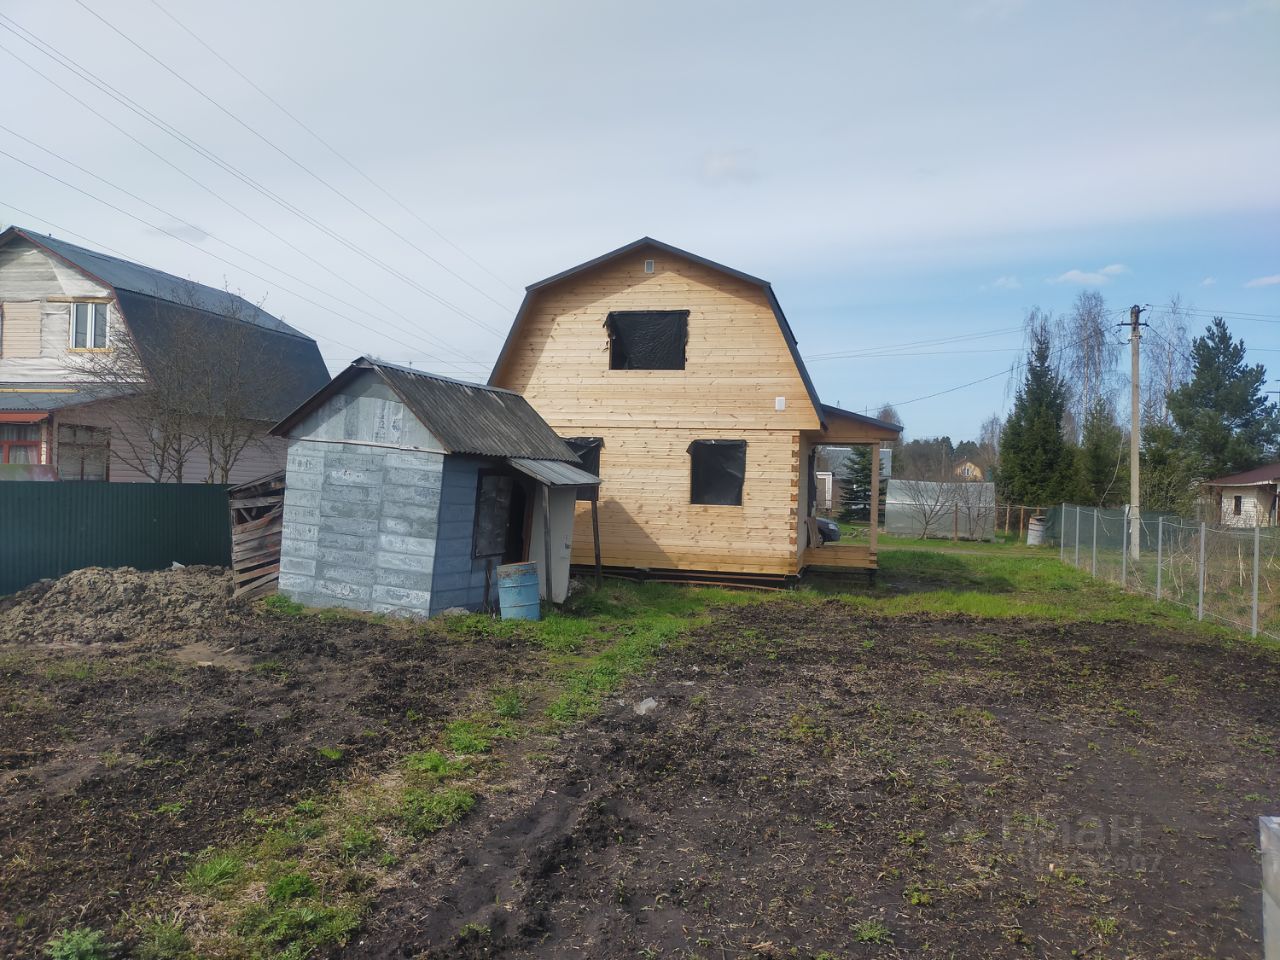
(424, 812)
(216, 872)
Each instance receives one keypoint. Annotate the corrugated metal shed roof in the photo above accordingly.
(554, 473)
(464, 417)
(53, 396)
(124, 275)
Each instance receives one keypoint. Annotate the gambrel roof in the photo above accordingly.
(157, 305)
(658, 245)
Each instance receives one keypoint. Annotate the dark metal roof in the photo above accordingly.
(46, 397)
(125, 275)
(465, 417)
(1267, 473)
(830, 411)
(278, 370)
(643, 242)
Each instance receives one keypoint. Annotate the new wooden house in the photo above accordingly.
(679, 382)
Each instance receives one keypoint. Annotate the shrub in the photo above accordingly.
(81, 943)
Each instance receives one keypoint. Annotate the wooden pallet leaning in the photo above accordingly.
(257, 523)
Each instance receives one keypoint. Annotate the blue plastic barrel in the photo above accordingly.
(518, 591)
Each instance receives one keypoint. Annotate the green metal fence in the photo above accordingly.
(48, 529)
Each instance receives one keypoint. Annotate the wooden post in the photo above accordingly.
(955, 524)
(1022, 522)
(595, 535)
(546, 537)
(875, 497)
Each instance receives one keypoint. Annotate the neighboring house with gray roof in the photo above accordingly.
(64, 308)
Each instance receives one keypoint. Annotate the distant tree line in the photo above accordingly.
(1205, 413)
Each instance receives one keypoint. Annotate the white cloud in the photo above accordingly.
(722, 166)
(1090, 277)
(1006, 283)
(1270, 281)
(1208, 281)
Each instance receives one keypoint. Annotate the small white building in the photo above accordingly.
(1246, 499)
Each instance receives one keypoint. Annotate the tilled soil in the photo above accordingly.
(814, 784)
(122, 755)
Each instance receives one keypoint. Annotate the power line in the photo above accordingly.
(199, 183)
(300, 296)
(330, 147)
(31, 39)
(999, 373)
(876, 351)
(211, 236)
(284, 153)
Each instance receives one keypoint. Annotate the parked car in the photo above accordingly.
(829, 530)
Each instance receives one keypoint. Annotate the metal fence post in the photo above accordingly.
(1257, 543)
(1062, 534)
(1124, 549)
(1077, 563)
(1159, 552)
(1093, 567)
(1200, 601)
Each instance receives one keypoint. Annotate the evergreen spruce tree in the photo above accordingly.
(1102, 461)
(1167, 476)
(1223, 421)
(855, 486)
(1036, 465)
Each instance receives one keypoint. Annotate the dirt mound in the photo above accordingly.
(99, 605)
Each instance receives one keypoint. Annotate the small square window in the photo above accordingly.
(717, 469)
(647, 339)
(588, 451)
(88, 326)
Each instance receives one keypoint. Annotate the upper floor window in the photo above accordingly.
(717, 469)
(88, 326)
(647, 339)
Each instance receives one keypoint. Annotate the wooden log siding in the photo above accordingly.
(737, 364)
(257, 526)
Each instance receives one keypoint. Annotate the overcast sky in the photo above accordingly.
(901, 172)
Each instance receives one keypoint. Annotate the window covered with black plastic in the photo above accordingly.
(716, 471)
(588, 452)
(647, 339)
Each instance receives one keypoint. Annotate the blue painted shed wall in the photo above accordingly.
(459, 578)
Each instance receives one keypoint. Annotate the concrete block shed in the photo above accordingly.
(404, 491)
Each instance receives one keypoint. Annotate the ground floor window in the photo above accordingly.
(717, 469)
(20, 443)
(1237, 506)
(83, 452)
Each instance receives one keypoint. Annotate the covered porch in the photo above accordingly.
(841, 428)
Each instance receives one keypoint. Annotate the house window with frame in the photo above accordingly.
(20, 443)
(1238, 506)
(89, 326)
(647, 339)
(83, 452)
(717, 470)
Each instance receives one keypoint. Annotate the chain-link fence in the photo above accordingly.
(1223, 573)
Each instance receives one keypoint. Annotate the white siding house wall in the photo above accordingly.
(1255, 505)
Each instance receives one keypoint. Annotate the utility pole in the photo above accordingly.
(1135, 431)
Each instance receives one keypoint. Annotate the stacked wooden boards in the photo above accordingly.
(257, 521)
